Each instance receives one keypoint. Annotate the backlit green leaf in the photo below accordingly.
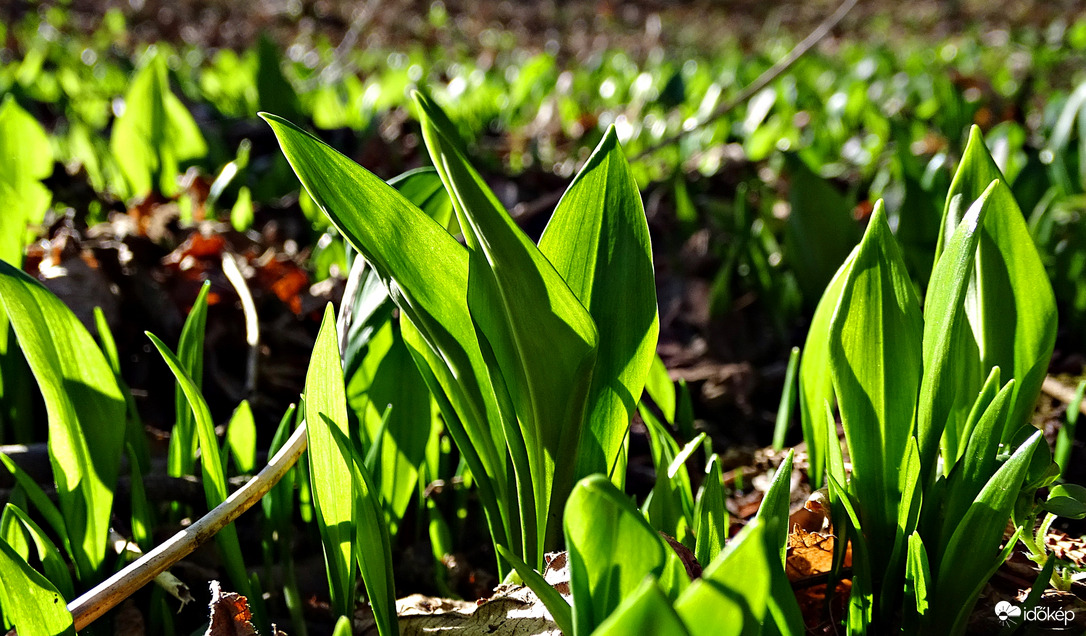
(426, 272)
(815, 380)
(155, 133)
(598, 241)
(1010, 305)
(710, 515)
(950, 353)
(646, 611)
(611, 550)
(329, 467)
(541, 338)
(29, 600)
(875, 357)
(85, 408)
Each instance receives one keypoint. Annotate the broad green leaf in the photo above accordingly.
(861, 599)
(423, 187)
(388, 377)
(330, 464)
(710, 515)
(611, 550)
(154, 134)
(647, 611)
(85, 409)
(25, 159)
(211, 466)
(426, 272)
(815, 380)
(558, 607)
(598, 242)
(542, 340)
(731, 598)
(968, 558)
(875, 358)
(56, 570)
(1067, 500)
(917, 576)
(1010, 303)
(950, 361)
(29, 600)
(241, 438)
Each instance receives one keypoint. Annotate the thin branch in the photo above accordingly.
(763, 80)
(1056, 389)
(106, 595)
(252, 324)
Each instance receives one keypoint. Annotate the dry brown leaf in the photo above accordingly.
(229, 614)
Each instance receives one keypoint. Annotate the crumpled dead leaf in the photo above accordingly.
(230, 615)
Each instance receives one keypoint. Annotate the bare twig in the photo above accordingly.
(763, 80)
(123, 584)
(1056, 389)
(252, 324)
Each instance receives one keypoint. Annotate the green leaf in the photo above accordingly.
(1067, 500)
(917, 575)
(241, 438)
(788, 400)
(558, 607)
(155, 133)
(426, 272)
(372, 548)
(542, 340)
(85, 409)
(25, 159)
(135, 437)
(611, 550)
(598, 242)
(41, 501)
(710, 515)
(732, 595)
(56, 570)
(670, 505)
(815, 380)
(387, 377)
(967, 561)
(875, 358)
(423, 187)
(774, 507)
(330, 464)
(950, 353)
(647, 611)
(211, 466)
(661, 389)
(181, 458)
(979, 461)
(1011, 306)
(29, 600)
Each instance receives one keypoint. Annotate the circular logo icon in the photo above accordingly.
(1006, 612)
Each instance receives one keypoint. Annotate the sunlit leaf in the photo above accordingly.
(85, 407)
(598, 242)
